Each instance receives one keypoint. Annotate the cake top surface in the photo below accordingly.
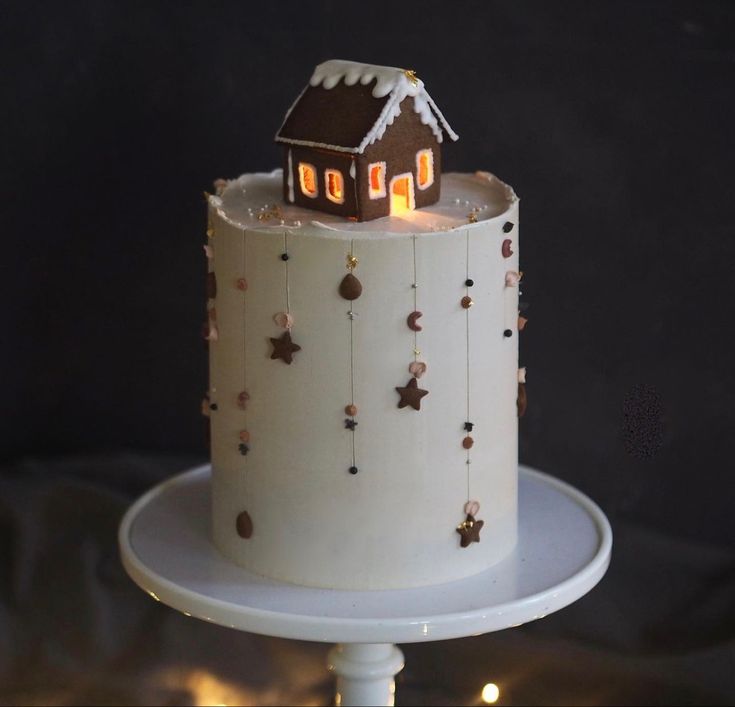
(255, 202)
(338, 111)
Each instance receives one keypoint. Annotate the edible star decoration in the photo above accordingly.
(284, 348)
(469, 531)
(411, 394)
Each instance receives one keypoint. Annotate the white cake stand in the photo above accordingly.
(563, 551)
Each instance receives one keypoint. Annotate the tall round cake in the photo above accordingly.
(364, 382)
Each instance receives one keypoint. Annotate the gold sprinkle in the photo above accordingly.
(210, 232)
(352, 262)
(472, 217)
(417, 352)
(411, 76)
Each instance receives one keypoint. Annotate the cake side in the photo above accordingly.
(311, 490)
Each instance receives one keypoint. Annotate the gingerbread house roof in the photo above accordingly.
(348, 106)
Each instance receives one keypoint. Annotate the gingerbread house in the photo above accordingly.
(363, 142)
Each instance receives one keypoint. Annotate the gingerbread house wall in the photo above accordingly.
(321, 160)
(398, 148)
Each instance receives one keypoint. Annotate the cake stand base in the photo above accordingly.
(563, 550)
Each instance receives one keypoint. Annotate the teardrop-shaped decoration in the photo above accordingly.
(350, 288)
(244, 525)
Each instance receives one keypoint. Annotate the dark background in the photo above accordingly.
(612, 120)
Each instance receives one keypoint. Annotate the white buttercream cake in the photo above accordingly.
(364, 382)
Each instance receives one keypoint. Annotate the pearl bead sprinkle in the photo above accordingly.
(353, 470)
(469, 282)
(507, 333)
(467, 302)
(284, 257)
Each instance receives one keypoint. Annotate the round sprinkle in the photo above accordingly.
(213, 406)
(351, 410)
(467, 442)
(244, 436)
(244, 525)
(467, 302)
(284, 257)
(507, 333)
(353, 470)
(507, 227)
(469, 282)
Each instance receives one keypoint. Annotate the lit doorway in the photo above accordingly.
(401, 194)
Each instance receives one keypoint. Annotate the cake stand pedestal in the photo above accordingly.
(563, 550)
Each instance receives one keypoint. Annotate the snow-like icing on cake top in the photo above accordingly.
(390, 81)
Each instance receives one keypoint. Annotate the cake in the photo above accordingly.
(362, 327)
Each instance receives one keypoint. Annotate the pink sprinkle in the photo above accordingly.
(472, 508)
(242, 399)
(283, 320)
(241, 284)
(512, 278)
(208, 251)
(417, 368)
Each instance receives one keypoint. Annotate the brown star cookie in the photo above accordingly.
(284, 348)
(469, 531)
(411, 394)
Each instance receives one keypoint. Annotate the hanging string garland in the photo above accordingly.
(350, 288)
(243, 522)
(410, 394)
(522, 401)
(469, 528)
(284, 347)
(243, 396)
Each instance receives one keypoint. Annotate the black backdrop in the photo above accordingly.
(613, 121)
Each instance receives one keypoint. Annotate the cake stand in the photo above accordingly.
(563, 550)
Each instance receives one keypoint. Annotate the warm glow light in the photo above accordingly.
(401, 194)
(307, 179)
(425, 168)
(490, 693)
(376, 189)
(335, 186)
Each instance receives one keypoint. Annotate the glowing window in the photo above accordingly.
(424, 168)
(335, 186)
(307, 179)
(376, 173)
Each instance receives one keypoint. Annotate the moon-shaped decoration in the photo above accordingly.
(412, 321)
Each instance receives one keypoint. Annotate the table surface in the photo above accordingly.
(563, 551)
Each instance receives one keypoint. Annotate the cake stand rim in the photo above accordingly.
(404, 629)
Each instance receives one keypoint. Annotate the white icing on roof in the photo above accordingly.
(391, 81)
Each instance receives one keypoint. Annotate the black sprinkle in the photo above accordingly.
(284, 257)
(507, 227)
(350, 424)
(213, 406)
(507, 333)
(468, 426)
(244, 449)
(469, 283)
(353, 470)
